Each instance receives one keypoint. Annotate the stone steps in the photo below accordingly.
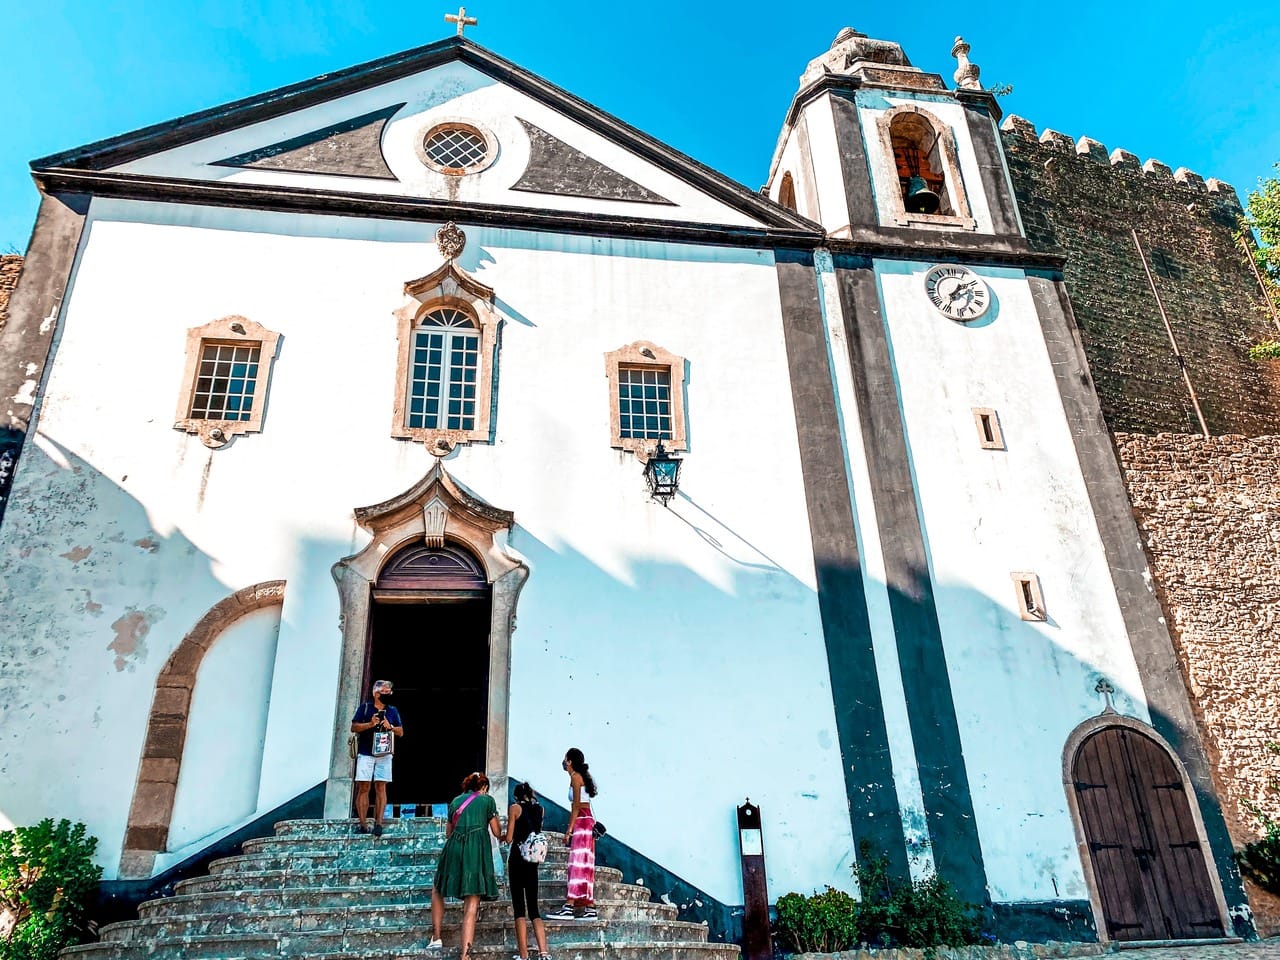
(400, 864)
(238, 902)
(410, 924)
(300, 947)
(320, 891)
(370, 877)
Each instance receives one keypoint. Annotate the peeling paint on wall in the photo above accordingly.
(147, 544)
(131, 630)
(76, 554)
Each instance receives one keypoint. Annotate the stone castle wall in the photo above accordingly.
(1209, 512)
(10, 267)
(1076, 197)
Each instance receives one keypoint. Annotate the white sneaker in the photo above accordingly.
(436, 945)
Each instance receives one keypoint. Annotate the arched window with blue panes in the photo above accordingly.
(444, 371)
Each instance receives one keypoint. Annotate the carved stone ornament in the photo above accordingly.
(450, 241)
(434, 516)
(966, 75)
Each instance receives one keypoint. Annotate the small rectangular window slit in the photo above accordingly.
(990, 436)
(1030, 597)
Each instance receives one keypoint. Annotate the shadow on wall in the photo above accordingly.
(96, 601)
(639, 676)
(676, 686)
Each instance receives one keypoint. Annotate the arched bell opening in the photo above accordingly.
(917, 155)
(787, 192)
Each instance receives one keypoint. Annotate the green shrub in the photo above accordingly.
(890, 913)
(822, 923)
(47, 880)
(1265, 350)
(1260, 860)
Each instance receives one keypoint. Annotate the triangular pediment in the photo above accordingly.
(366, 131)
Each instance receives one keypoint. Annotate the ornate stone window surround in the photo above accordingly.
(946, 145)
(459, 123)
(1075, 741)
(645, 355)
(240, 332)
(435, 510)
(446, 287)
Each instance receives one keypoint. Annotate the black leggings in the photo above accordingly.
(522, 877)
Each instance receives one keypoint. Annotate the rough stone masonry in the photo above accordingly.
(10, 267)
(1209, 512)
(1075, 197)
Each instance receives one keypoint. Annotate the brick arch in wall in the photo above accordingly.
(151, 812)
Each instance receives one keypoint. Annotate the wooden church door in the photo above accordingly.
(1148, 862)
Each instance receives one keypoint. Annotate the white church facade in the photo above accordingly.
(360, 378)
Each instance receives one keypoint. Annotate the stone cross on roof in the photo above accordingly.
(461, 19)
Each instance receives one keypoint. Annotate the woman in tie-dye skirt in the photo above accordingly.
(580, 902)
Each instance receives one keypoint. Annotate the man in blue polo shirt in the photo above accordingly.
(377, 724)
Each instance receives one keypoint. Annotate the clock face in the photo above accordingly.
(957, 292)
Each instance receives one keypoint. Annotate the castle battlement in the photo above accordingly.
(1094, 151)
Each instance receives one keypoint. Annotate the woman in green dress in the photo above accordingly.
(465, 871)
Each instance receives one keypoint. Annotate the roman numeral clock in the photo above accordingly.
(957, 293)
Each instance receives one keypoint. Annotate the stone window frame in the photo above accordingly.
(1026, 585)
(471, 126)
(646, 355)
(990, 436)
(447, 287)
(963, 217)
(231, 329)
(155, 791)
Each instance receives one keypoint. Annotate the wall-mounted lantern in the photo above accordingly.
(662, 473)
(757, 941)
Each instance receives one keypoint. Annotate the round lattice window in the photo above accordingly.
(457, 148)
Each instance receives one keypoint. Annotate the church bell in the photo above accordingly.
(920, 199)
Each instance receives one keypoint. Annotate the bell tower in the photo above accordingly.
(872, 143)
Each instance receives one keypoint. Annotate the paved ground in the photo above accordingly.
(1266, 950)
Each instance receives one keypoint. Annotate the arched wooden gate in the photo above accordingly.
(1149, 864)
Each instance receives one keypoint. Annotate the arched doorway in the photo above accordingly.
(429, 634)
(435, 514)
(1140, 838)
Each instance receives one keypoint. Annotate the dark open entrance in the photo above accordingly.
(429, 634)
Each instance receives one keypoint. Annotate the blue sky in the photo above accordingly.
(1192, 85)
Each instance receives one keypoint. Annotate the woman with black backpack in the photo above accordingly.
(528, 849)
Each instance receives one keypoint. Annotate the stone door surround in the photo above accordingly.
(433, 511)
(151, 812)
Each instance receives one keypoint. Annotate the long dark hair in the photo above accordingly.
(523, 793)
(578, 764)
(475, 782)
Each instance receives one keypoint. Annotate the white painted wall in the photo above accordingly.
(642, 631)
(453, 91)
(226, 731)
(1020, 687)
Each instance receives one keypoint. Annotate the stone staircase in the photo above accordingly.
(318, 890)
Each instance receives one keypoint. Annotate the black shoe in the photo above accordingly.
(377, 829)
(361, 828)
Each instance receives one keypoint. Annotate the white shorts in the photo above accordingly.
(373, 768)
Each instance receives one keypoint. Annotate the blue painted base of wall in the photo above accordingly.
(1041, 920)
(119, 899)
(724, 921)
